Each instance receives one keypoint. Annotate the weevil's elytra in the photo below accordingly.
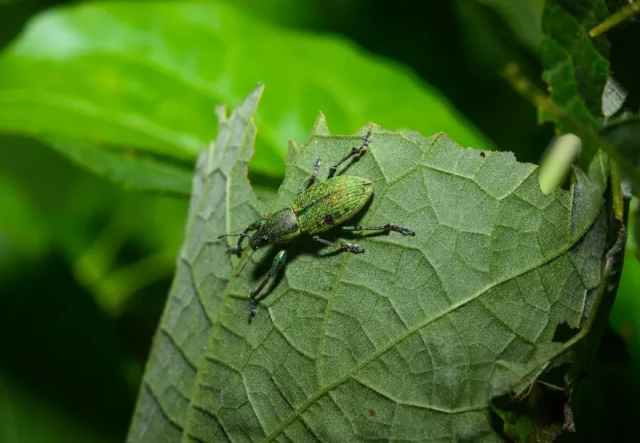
(331, 203)
(313, 211)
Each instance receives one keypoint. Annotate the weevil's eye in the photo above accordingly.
(259, 241)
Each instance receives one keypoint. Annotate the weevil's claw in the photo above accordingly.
(252, 310)
(355, 248)
(401, 229)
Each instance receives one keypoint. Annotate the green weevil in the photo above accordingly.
(314, 210)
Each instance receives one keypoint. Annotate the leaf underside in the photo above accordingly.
(397, 343)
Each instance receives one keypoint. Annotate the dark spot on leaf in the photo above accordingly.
(329, 219)
(329, 288)
(482, 154)
(372, 412)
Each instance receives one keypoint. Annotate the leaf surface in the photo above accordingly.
(396, 343)
(145, 76)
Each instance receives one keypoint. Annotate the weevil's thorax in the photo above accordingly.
(279, 227)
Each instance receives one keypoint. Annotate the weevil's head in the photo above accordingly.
(260, 237)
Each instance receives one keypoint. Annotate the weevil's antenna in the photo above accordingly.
(242, 234)
(245, 263)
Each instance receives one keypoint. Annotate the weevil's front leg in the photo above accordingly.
(237, 250)
(388, 227)
(307, 181)
(278, 262)
(354, 151)
(355, 248)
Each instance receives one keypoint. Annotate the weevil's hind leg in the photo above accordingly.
(388, 227)
(278, 262)
(354, 151)
(309, 180)
(351, 247)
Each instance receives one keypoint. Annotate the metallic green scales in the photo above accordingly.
(331, 202)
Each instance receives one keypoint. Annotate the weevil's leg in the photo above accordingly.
(355, 248)
(307, 181)
(238, 248)
(388, 227)
(278, 262)
(354, 151)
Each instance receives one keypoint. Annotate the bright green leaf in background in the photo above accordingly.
(145, 75)
(396, 343)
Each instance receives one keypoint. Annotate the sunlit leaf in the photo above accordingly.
(145, 75)
(397, 343)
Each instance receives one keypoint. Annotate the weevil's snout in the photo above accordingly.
(258, 240)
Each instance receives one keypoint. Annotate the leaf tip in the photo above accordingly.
(320, 126)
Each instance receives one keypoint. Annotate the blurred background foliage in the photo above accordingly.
(85, 264)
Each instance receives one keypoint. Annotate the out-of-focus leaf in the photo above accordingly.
(130, 169)
(397, 343)
(624, 136)
(21, 222)
(625, 316)
(576, 67)
(613, 97)
(146, 75)
(523, 16)
(535, 419)
(557, 161)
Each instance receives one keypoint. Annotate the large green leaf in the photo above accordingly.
(397, 343)
(143, 75)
